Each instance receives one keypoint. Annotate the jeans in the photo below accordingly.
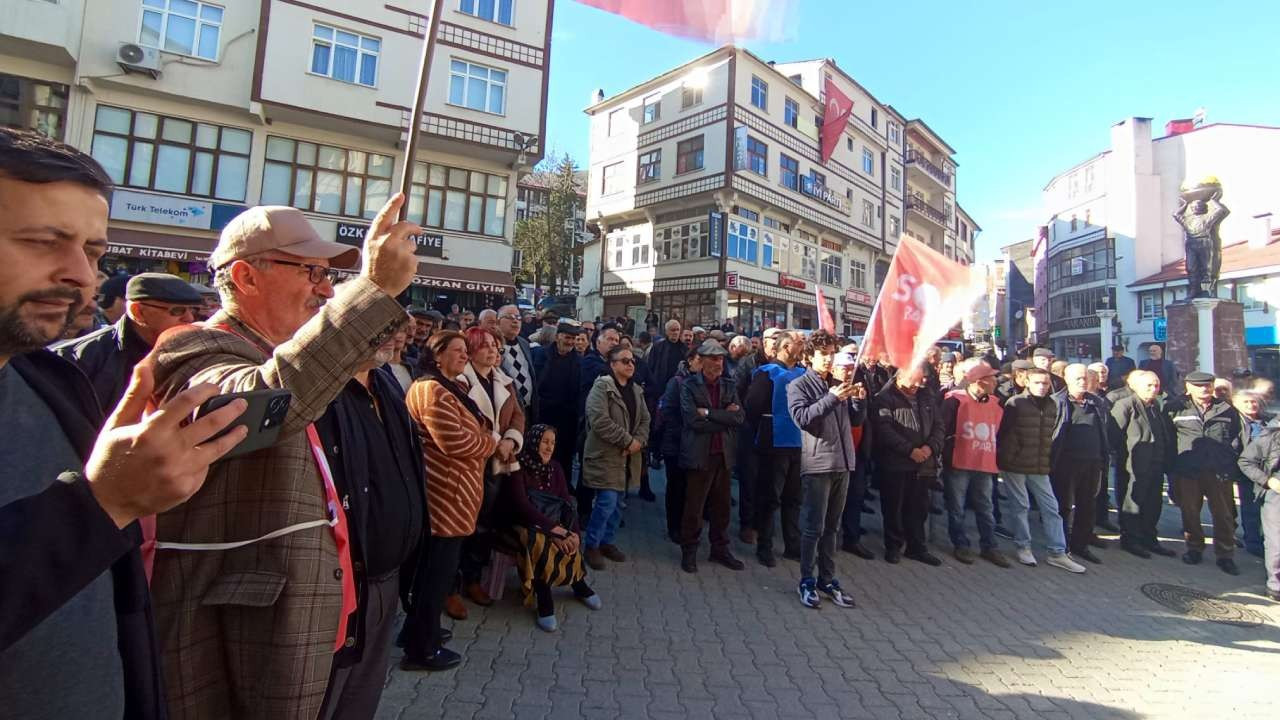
(1250, 516)
(1075, 485)
(824, 496)
(851, 520)
(778, 485)
(605, 517)
(975, 486)
(1019, 484)
(1271, 530)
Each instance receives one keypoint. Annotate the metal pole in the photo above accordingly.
(420, 98)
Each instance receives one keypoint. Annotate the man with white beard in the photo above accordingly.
(376, 463)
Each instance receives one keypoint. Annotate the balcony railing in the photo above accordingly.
(920, 160)
(919, 204)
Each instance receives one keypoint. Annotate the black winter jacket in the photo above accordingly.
(1208, 443)
(1261, 459)
(1024, 442)
(1092, 404)
(669, 420)
(695, 440)
(664, 358)
(897, 432)
(107, 356)
(59, 540)
(1141, 437)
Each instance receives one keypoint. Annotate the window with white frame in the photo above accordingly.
(770, 250)
(186, 27)
(832, 269)
(611, 179)
(868, 161)
(791, 112)
(477, 87)
(615, 121)
(499, 11)
(759, 93)
(652, 109)
(857, 274)
(804, 256)
(895, 134)
(639, 251)
(790, 172)
(458, 199)
(145, 150)
(1150, 304)
(649, 167)
(895, 227)
(868, 213)
(345, 56)
(1252, 295)
(690, 96)
(743, 242)
(895, 178)
(619, 242)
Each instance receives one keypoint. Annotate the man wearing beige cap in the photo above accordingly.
(252, 578)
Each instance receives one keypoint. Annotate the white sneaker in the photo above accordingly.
(1026, 557)
(1065, 562)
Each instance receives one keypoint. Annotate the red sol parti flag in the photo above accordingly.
(825, 321)
(834, 117)
(924, 295)
(717, 21)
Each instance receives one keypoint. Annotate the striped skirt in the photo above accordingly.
(537, 558)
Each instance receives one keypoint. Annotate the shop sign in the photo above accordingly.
(716, 226)
(788, 281)
(731, 280)
(463, 285)
(819, 191)
(857, 296)
(161, 210)
(427, 244)
(1160, 329)
(152, 253)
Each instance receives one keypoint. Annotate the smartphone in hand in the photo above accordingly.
(264, 417)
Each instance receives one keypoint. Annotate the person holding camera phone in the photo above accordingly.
(253, 583)
(76, 628)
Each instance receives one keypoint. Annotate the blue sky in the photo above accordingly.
(1020, 89)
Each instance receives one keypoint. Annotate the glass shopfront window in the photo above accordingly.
(753, 313)
(1083, 264)
(690, 308)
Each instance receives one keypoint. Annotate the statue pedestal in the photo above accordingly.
(1206, 334)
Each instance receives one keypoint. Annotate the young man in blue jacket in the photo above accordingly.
(826, 410)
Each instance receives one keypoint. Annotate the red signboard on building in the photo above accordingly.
(731, 280)
(787, 281)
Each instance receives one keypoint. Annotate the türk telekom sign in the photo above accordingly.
(428, 245)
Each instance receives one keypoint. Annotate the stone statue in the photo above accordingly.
(1200, 212)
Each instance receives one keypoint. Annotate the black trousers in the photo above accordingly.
(778, 486)
(675, 495)
(746, 468)
(1146, 492)
(1075, 485)
(851, 516)
(707, 492)
(904, 505)
(422, 627)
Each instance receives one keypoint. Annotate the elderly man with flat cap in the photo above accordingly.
(253, 583)
(154, 302)
(1210, 436)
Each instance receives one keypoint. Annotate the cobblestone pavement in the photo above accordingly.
(950, 642)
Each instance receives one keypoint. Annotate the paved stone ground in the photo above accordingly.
(950, 642)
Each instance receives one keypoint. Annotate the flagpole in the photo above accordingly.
(420, 98)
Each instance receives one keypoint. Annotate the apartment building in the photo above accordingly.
(713, 206)
(1111, 243)
(199, 109)
(931, 189)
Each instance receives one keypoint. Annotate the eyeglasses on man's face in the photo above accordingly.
(315, 273)
(173, 310)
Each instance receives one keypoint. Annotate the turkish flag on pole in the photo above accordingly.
(825, 321)
(834, 117)
(717, 21)
(924, 295)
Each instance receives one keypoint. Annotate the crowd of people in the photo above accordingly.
(151, 574)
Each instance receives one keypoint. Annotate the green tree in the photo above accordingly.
(545, 238)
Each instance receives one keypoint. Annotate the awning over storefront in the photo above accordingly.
(464, 279)
(123, 242)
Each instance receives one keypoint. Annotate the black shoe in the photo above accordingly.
(893, 556)
(1000, 531)
(925, 557)
(1162, 551)
(1098, 542)
(1136, 550)
(443, 659)
(727, 559)
(791, 555)
(767, 559)
(1087, 555)
(689, 559)
(858, 549)
(647, 495)
(1191, 557)
(402, 639)
(445, 635)
(1228, 566)
(1107, 525)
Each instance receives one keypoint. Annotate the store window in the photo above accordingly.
(832, 269)
(456, 199)
(33, 105)
(185, 27)
(324, 178)
(169, 154)
(690, 308)
(743, 241)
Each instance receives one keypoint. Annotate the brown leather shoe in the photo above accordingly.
(594, 559)
(748, 536)
(454, 608)
(613, 553)
(477, 595)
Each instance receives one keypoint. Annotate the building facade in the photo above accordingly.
(1111, 236)
(714, 208)
(200, 109)
(1017, 321)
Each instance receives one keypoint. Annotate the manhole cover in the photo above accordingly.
(1202, 605)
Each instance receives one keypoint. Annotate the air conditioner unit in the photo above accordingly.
(132, 57)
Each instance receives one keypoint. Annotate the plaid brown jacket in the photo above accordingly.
(249, 632)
